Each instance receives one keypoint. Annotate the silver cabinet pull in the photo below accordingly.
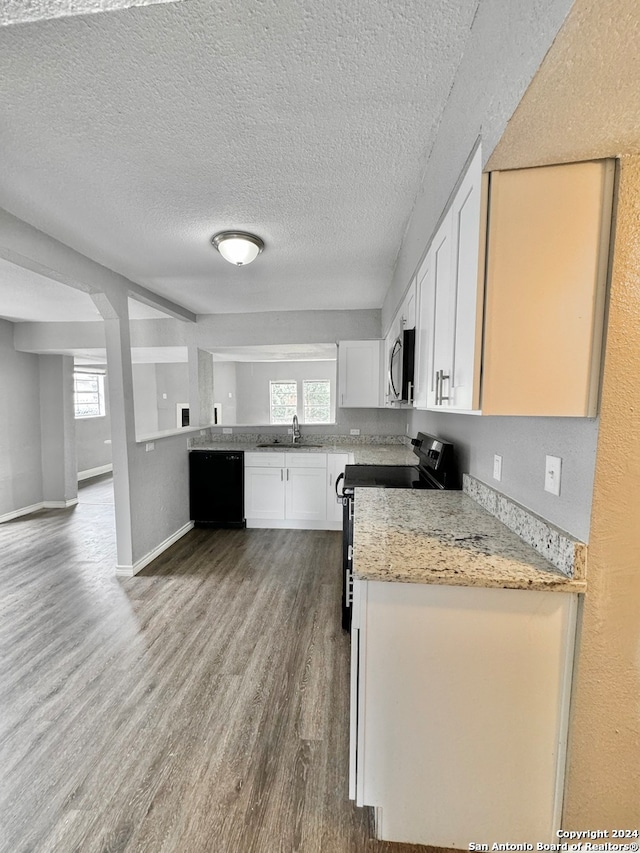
(443, 376)
(287, 474)
(440, 378)
(281, 475)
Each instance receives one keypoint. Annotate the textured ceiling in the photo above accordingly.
(20, 11)
(584, 102)
(133, 136)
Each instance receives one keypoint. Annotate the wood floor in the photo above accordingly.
(201, 707)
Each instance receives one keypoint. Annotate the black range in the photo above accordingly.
(435, 469)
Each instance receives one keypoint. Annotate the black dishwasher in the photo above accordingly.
(216, 488)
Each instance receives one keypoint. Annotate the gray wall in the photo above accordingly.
(508, 40)
(523, 444)
(253, 385)
(57, 424)
(172, 380)
(507, 43)
(224, 391)
(159, 483)
(20, 435)
(145, 399)
(93, 439)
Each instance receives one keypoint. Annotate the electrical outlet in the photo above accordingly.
(354, 432)
(150, 445)
(497, 467)
(552, 474)
(226, 430)
(202, 431)
(290, 431)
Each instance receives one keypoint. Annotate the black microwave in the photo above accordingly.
(401, 367)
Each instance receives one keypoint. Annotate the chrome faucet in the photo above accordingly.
(296, 429)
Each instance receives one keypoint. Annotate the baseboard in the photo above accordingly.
(25, 510)
(59, 504)
(293, 524)
(94, 472)
(126, 571)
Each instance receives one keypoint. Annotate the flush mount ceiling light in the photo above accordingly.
(238, 247)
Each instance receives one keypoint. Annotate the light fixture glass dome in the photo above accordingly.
(238, 247)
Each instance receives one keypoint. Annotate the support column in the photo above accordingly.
(115, 311)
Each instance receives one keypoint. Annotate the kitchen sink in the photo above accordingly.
(281, 446)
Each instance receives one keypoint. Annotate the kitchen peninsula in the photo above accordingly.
(462, 657)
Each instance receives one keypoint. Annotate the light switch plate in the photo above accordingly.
(552, 474)
(150, 445)
(497, 467)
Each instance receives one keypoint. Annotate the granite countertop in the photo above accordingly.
(444, 538)
(364, 454)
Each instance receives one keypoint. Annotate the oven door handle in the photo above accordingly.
(339, 495)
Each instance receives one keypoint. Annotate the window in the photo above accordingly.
(283, 398)
(316, 399)
(88, 395)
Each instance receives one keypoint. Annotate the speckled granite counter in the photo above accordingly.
(364, 454)
(444, 538)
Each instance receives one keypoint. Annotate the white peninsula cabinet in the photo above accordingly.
(459, 708)
(359, 373)
(293, 490)
(522, 336)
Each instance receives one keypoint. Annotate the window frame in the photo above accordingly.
(99, 393)
(272, 383)
(305, 406)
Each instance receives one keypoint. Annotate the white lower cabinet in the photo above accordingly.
(460, 699)
(293, 490)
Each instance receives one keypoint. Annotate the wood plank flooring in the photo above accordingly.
(201, 707)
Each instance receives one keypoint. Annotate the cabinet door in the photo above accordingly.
(306, 494)
(264, 493)
(359, 373)
(547, 258)
(408, 308)
(467, 288)
(424, 331)
(456, 684)
(441, 333)
(335, 466)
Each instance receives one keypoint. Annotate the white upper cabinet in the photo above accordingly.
(527, 338)
(547, 260)
(449, 303)
(468, 241)
(359, 373)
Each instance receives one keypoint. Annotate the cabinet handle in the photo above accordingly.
(287, 474)
(342, 399)
(281, 475)
(443, 376)
(438, 387)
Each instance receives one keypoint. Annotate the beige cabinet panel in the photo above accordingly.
(547, 257)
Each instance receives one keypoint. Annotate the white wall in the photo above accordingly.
(20, 435)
